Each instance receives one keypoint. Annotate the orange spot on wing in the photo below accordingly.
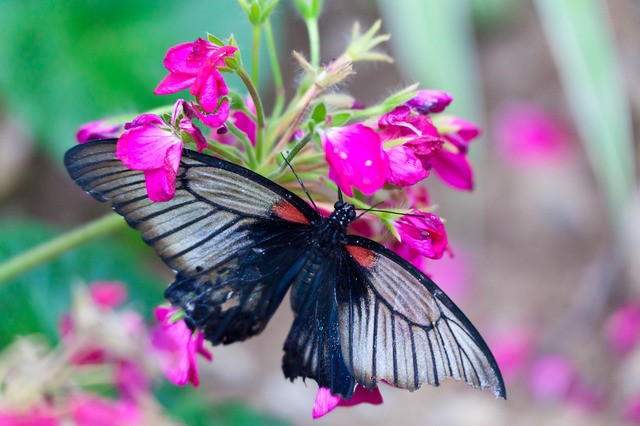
(285, 210)
(363, 256)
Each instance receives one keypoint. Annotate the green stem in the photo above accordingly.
(294, 151)
(54, 248)
(255, 54)
(275, 68)
(314, 40)
(253, 92)
(230, 153)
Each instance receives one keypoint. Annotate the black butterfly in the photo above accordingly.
(239, 241)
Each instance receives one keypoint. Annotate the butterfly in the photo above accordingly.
(239, 242)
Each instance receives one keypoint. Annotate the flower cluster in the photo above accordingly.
(52, 387)
(374, 155)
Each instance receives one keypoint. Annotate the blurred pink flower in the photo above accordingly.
(131, 379)
(42, 415)
(429, 101)
(154, 147)
(424, 232)
(176, 348)
(108, 294)
(92, 410)
(512, 349)
(527, 135)
(99, 129)
(632, 409)
(551, 378)
(325, 402)
(623, 328)
(355, 157)
(453, 273)
(194, 65)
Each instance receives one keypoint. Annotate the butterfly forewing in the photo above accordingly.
(231, 234)
(396, 325)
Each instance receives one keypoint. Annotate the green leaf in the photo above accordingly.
(340, 119)
(215, 40)
(34, 302)
(319, 113)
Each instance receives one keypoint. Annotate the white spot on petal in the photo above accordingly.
(343, 155)
(368, 163)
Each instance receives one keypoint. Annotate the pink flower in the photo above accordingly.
(91, 410)
(355, 158)
(429, 101)
(176, 348)
(424, 232)
(623, 328)
(527, 135)
(325, 402)
(108, 294)
(451, 163)
(243, 122)
(100, 129)
(155, 147)
(409, 163)
(194, 65)
(551, 378)
(36, 416)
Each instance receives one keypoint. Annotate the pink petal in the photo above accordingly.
(324, 403)
(216, 119)
(362, 395)
(405, 169)
(463, 133)
(632, 410)
(356, 157)
(193, 131)
(424, 233)
(174, 83)
(187, 58)
(454, 169)
(430, 101)
(99, 129)
(108, 294)
(176, 348)
(145, 120)
(146, 147)
(35, 416)
(92, 410)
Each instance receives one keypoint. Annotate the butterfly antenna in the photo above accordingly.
(373, 209)
(304, 188)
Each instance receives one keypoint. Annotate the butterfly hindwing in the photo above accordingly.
(396, 325)
(223, 232)
(312, 349)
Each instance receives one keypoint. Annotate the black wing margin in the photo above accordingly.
(218, 231)
(397, 325)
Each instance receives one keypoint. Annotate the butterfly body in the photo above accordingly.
(239, 242)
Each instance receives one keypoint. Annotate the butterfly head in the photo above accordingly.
(343, 213)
